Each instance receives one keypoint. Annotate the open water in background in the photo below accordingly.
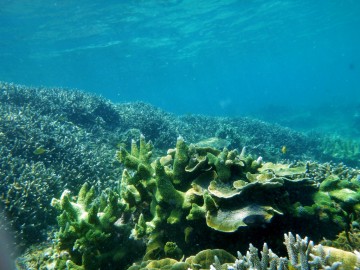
(274, 59)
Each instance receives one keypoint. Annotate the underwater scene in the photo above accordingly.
(179, 134)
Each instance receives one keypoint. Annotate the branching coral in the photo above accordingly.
(94, 231)
(302, 254)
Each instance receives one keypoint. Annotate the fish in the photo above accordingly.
(284, 149)
(39, 151)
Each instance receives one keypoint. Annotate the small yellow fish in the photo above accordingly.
(39, 151)
(283, 149)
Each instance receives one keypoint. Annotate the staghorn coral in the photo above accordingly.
(302, 254)
(42, 152)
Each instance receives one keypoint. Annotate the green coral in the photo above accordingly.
(92, 228)
(339, 198)
(345, 240)
(137, 156)
(173, 251)
(175, 203)
(194, 192)
(220, 190)
(341, 149)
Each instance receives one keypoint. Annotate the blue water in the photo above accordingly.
(228, 57)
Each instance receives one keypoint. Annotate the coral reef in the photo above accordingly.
(195, 188)
(346, 240)
(261, 138)
(52, 139)
(195, 199)
(341, 149)
(42, 152)
(80, 108)
(302, 254)
(94, 231)
(161, 127)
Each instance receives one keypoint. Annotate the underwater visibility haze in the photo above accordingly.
(213, 57)
(170, 134)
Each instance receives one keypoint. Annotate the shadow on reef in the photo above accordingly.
(199, 198)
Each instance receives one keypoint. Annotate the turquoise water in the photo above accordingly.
(292, 62)
(210, 57)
